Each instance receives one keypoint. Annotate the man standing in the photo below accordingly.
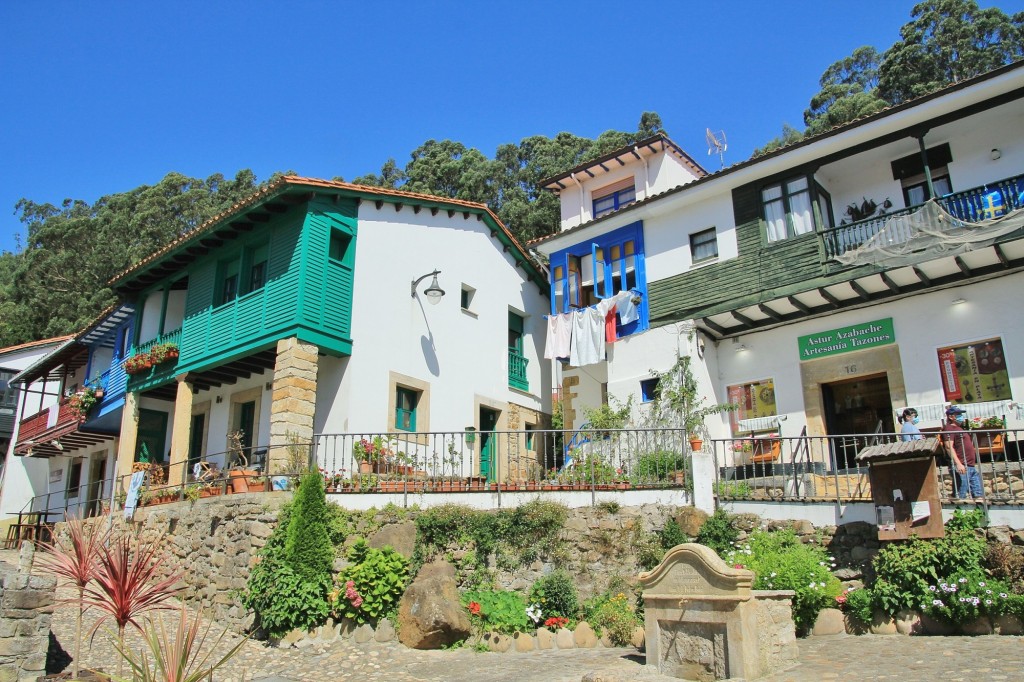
(963, 459)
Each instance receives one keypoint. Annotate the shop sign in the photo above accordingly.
(846, 339)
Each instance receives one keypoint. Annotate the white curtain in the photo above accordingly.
(800, 206)
(774, 212)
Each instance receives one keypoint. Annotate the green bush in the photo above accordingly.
(718, 533)
(497, 611)
(281, 598)
(671, 535)
(860, 605)
(556, 595)
(613, 614)
(371, 587)
(308, 548)
(904, 571)
(659, 465)
(781, 562)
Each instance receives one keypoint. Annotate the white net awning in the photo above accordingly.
(931, 229)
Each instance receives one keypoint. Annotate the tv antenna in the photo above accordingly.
(717, 144)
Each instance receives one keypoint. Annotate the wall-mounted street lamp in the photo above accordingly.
(434, 292)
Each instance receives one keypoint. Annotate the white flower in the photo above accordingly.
(988, 601)
(988, 591)
(1003, 595)
(774, 574)
(936, 602)
(813, 585)
(931, 587)
(981, 584)
(962, 580)
(533, 611)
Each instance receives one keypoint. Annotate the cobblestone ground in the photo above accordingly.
(865, 658)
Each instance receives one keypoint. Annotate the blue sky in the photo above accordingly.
(103, 97)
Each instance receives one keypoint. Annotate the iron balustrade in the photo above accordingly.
(971, 205)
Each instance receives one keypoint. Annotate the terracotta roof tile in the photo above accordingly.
(31, 344)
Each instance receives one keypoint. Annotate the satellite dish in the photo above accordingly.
(717, 144)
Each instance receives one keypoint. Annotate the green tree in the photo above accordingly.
(308, 549)
(947, 41)
(847, 92)
(789, 136)
(58, 282)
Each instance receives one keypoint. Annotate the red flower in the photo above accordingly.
(556, 622)
(474, 608)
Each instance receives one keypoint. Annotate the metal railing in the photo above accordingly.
(971, 205)
(825, 468)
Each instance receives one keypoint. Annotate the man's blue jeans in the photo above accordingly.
(970, 481)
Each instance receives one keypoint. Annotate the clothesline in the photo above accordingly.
(580, 335)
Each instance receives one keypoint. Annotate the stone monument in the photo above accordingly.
(703, 621)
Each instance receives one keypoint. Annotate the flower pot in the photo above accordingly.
(366, 467)
(679, 477)
(696, 444)
(260, 487)
(240, 480)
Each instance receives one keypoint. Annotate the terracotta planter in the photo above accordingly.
(258, 487)
(390, 486)
(679, 477)
(366, 467)
(209, 492)
(240, 480)
(696, 444)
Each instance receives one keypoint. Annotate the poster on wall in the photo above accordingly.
(975, 372)
(755, 399)
(132, 498)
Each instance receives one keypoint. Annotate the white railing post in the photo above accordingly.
(704, 479)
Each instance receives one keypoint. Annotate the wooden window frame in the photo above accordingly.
(695, 243)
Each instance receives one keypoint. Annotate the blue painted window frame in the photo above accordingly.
(603, 282)
(618, 199)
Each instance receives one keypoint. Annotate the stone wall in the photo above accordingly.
(213, 543)
(26, 606)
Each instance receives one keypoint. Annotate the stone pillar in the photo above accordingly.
(293, 399)
(181, 432)
(704, 481)
(128, 440)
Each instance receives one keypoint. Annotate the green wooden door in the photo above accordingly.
(152, 436)
(488, 449)
(195, 439)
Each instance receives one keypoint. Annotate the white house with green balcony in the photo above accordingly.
(823, 286)
(318, 307)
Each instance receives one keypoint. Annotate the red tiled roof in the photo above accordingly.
(31, 344)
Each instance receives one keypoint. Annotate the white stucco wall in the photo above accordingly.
(667, 236)
(461, 355)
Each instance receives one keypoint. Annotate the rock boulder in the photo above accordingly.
(430, 615)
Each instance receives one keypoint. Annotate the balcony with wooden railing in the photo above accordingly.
(517, 370)
(973, 205)
(158, 372)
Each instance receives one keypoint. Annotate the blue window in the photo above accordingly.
(614, 197)
(648, 390)
(593, 270)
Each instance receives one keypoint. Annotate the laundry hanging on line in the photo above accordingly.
(580, 335)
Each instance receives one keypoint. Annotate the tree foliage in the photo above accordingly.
(57, 283)
(945, 41)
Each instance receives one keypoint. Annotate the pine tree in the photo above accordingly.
(308, 549)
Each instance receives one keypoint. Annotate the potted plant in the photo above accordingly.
(258, 484)
(239, 474)
(193, 491)
(82, 401)
(137, 364)
(678, 400)
(372, 455)
(163, 352)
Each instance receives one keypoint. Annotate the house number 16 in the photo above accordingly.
(850, 369)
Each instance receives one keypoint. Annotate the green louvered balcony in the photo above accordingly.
(160, 370)
(517, 370)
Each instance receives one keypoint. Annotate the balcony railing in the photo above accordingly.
(517, 370)
(53, 421)
(160, 371)
(972, 205)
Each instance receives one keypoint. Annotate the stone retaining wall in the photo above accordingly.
(213, 543)
(26, 606)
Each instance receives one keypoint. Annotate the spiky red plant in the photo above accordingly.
(127, 583)
(74, 558)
